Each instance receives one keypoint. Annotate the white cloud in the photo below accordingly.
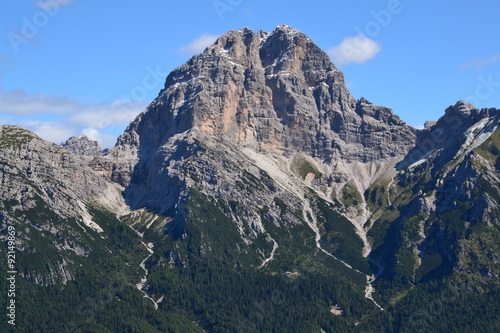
(116, 113)
(56, 132)
(198, 45)
(479, 64)
(106, 115)
(97, 121)
(20, 102)
(105, 140)
(91, 133)
(358, 49)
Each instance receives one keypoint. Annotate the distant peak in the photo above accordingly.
(463, 105)
(287, 29)
(461, 109)
(82, 145)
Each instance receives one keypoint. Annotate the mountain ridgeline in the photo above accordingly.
(255, 194)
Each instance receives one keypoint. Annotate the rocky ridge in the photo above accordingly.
(82, 145)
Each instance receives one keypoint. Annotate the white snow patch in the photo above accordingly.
(264, 38)
(289, 30)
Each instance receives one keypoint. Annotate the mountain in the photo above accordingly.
(255, 194)
(82, 145)
(446, 196)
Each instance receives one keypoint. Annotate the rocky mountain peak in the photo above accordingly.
(275, 92)
(82, 145)
(461, 129)
(459, 112)
(461, 116)
(255, 96)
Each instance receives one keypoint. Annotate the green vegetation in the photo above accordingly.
(216, 280)
(100, 280)
(210, 278)
(429, 263)
(376, 196)
(13, 137)
(407, 263)
(438, 307)
(228, 299)
(340, 237)
(351, 195)
(490, 149)
(302, 167)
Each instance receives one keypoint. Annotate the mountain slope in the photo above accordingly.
(255, 194)
(70, 251)
(441, 217)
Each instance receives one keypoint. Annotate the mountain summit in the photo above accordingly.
(255, 194)
(275, 92)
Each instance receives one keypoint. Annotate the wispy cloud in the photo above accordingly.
(106, 115)
(21, 103)
(198, 45)
(54, 131)
(479, 64)
(358, 49)
(73, 117)
(106, 140)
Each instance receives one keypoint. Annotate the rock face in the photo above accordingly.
(57, 176)
(272, 93)
(82, 146)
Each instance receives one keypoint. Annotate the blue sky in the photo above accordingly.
(69, 67)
